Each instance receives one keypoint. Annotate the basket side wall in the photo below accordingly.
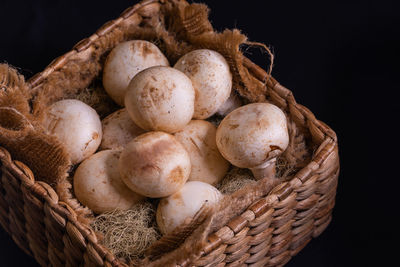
(41, 225)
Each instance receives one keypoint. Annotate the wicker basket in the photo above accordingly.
(269, 232)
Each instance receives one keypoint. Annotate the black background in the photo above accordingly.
(339, 60)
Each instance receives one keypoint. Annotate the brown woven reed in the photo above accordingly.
(268, 233)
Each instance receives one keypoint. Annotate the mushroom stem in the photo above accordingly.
(266, 169)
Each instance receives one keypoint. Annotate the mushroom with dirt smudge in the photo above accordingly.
(76, 125)
(154, 164)
(252, 136)
(160, 99)
(182, 206)
(125, 61)
(211, 78)
(208, 165)
(98, 185)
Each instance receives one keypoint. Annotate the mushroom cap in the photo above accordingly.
(118, 130)
(208, 165)
(125, 61)
(211, 78)
(154, 164)
(232, 103)
(97, 184)
(252, 134)
(184, 204)
(76, 125)
(160, 99)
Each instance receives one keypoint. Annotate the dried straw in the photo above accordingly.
(96, 97)
(234, 180)
(128, 233)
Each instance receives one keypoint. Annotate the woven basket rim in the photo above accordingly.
(283, 95)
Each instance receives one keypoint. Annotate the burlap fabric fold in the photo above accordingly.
(22, 136)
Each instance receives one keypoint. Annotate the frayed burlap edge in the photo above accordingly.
(22, 136)
(14, 92)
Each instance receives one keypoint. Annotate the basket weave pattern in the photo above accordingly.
(271, 231)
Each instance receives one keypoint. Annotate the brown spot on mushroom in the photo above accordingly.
(225, 140)
(164, 202)
(147, 161)
(195, 145)
(178, 198)
(193, 68)
(233, 126)
(146, 49)
(87, 144)
(95, 135)
(149, 167)
(175, 176)
(161, 146)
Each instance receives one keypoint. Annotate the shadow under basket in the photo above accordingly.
(264, 224)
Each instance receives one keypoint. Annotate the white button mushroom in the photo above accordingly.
(211, 78)
(118, 130)
(97, 184)
(184, 204)
(232, 103)
(76, 125)
(208, 165)
(160, 99)
(125, 61)
(154, 164)
(253, 136)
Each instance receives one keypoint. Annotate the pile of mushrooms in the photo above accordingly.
(159, 144)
